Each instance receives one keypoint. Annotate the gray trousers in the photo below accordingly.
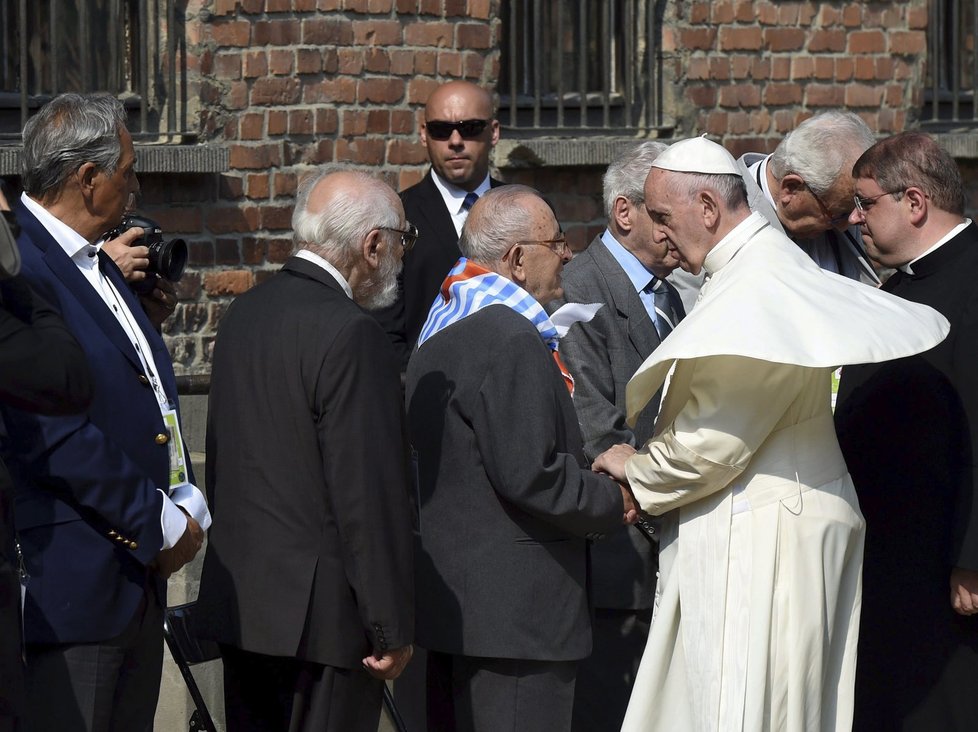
(111, 686)
(469, 694)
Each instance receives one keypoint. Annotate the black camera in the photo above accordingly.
(167, 259)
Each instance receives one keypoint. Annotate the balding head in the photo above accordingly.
(460, 155)
(351, 220)
(512, 230)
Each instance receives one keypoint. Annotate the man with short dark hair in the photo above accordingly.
(106, 503)
(909, 433)
(507, 503)
(307, 579)
(459, 131)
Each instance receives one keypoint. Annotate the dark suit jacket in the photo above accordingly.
(602, 355)
(425, 266)
(909, 432)
(42, 369)
(506, 499)
(309, 555)
(85, 484)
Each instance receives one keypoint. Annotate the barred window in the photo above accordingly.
(120, 46)
(580, 65)
(952, 68)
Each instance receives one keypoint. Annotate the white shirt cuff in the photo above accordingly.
(173, 521)
(189, 498)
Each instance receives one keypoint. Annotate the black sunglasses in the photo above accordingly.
(469, 129)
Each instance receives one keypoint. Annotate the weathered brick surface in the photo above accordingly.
(287, 85)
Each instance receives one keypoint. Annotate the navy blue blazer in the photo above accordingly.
(87, 500)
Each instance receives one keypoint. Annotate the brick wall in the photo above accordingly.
(748, 72)
(291, 84)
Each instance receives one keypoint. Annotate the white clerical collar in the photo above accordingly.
(759, 171)
(335, 273)
(908, 267)
(728, 246)
(74, 244)
(455, 196)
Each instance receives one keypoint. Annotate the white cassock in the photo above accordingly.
(757, 605)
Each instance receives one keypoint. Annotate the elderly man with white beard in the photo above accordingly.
(307, 582)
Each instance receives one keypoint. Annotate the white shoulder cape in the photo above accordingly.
(766, 299)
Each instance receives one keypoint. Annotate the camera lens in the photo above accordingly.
(171, 259)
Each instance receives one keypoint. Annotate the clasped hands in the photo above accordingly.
(612, 463)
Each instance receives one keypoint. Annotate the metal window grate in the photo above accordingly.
(581, 65)
(952, 69)
(135, 49)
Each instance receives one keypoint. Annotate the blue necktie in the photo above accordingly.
(665, 314)
(469, 202)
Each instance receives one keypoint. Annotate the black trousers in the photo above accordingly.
(279, 694)
(111, 686)
(469, 694)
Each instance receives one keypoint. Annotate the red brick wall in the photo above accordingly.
(290, 84)
(749, 72)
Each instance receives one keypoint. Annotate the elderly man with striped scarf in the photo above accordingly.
(507, 505)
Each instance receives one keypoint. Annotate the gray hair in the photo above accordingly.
(69, 131)
(730, 189)
(822, 148)
(626, 176)
(497, 221)
(335, 233)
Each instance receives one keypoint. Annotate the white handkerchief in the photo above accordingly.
(573, 312)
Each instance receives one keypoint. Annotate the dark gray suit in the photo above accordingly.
(602, 355)
(506, 504)
(846, 247)
(309, 556)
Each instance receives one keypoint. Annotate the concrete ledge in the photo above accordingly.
(150, 159)
(961, 145)
(562, 152)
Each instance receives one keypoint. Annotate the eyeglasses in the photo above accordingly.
(469, 129)
(863, 203)
(408, 238)
(558, 246)
(833, 220)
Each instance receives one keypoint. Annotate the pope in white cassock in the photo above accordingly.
(757, 608)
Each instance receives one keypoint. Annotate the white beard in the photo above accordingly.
(380, 291)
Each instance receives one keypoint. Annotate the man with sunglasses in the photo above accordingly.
(507, 503)
(909, 433)
(804, 188)
(307, 582)
(459, 132)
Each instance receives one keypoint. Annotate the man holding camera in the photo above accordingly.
(106, 506)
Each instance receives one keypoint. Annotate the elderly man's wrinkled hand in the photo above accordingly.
(132, 260)
(390, 665)
(612, 461)
(964, 591)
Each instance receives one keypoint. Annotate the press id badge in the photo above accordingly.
(178, 460)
